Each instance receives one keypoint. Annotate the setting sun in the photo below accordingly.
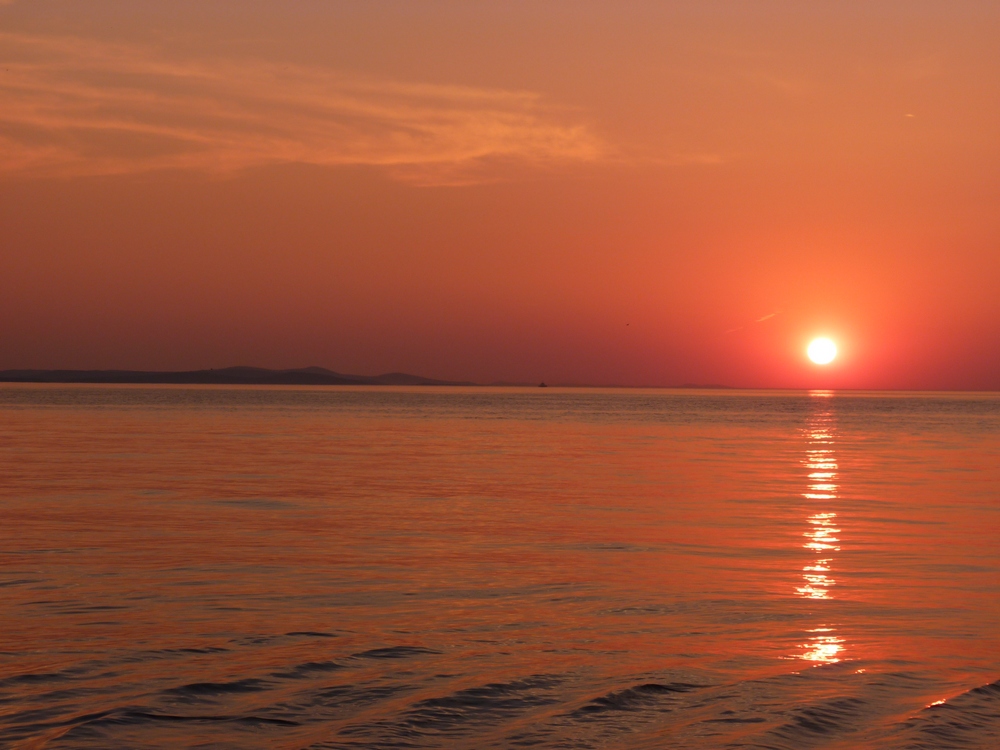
(822, 351)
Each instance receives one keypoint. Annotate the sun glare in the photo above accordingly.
(822, 351)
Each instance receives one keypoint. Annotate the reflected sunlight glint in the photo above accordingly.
(823, 646)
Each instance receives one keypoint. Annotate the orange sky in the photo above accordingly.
(643, 193)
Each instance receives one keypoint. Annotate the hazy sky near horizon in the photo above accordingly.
(633, 193)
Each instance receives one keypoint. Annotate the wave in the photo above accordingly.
(969, 720)
(414, 696)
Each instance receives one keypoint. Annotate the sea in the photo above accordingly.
(375, 567)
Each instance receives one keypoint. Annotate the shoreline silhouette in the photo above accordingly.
(224, 376)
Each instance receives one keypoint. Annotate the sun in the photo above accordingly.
(822, 351)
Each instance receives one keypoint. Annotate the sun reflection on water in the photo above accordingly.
(823, 645)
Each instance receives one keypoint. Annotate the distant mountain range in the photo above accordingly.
(223, 376)
(254, 376)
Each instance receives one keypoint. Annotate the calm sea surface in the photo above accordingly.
(217, 567)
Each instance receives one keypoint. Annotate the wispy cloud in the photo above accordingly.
(74, 106)
(758, 320)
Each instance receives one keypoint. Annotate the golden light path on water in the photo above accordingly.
(823, 645)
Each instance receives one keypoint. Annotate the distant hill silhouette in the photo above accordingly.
(223, 376)
(702, 386)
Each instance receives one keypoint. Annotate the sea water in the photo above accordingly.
(221, 567)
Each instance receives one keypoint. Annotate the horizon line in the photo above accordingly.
(315, 375)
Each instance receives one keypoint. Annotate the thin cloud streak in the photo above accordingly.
(758, 320)
(72, 106)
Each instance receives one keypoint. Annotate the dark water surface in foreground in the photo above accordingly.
(472, 568)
